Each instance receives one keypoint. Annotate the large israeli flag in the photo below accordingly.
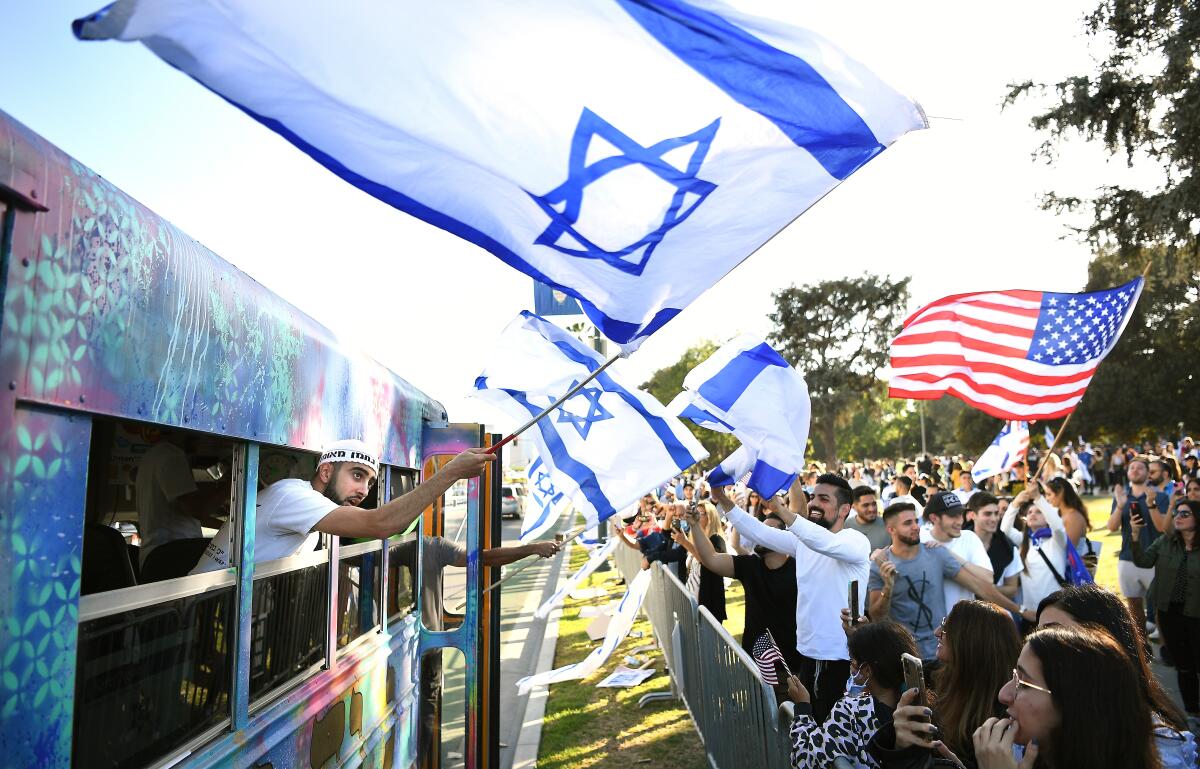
(748, 389)
(545, 505)
(626, 152)
(1007, 449)
(608, 444)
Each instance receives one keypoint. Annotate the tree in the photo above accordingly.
(1143, 100)
(666, 383)
(837, 333)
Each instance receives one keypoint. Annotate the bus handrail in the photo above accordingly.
(291, 563)
(349, 551)
(97, 605)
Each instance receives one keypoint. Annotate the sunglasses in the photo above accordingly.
(1183, 512)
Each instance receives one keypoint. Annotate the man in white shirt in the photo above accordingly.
(826, 564)
(966, 487)
(293, 510)
(170, 505)
(904, 486)
(945, 513)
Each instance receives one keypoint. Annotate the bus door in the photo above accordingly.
(460, 635)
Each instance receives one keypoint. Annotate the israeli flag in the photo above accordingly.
(1049, 436)
(545, 505)
(1007, 449)
(628, 153)
(605, 446)
(748, 389)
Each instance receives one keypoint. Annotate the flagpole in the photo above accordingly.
(556, 404)
(529, 561)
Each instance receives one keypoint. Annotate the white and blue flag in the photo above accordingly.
(545, 504)
(625, 152)
(1007, 449)
(1049, 437)
(748, 389)
(605, 446)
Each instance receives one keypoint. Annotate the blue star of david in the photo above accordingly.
(594, 411)
(562, 204)
(545, 485)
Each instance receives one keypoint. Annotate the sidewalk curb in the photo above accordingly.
(525, 756)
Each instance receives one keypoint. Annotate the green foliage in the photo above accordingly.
(837, 333)
(666, 383)
(1142, 100)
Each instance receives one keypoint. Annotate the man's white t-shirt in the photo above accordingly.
(969, 546)
(287, 512)
(163, 476)
(964, 495)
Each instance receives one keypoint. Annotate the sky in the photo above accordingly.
(955, 207)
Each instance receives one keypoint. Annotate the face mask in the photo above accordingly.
(853, 687)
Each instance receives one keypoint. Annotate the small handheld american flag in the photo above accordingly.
(769, 659)
(1017, 355)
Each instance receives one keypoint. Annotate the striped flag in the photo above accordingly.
(770, 660)
(1025, 355)
(1007, 449)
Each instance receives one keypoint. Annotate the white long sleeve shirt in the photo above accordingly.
(1037, 581)
(826, 563)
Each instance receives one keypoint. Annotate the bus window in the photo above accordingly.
(290, 601)
(402, 553)
(453, 576)
(442, 716)
(155, 645)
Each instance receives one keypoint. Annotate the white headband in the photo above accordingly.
(350, 450)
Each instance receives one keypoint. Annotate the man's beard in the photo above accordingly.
(911, 541)
(331, 495)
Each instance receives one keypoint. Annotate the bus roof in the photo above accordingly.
(109, 308)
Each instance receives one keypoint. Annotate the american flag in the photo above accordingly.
(1025, 355)
(767, 655)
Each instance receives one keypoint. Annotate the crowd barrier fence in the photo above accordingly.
(734, 712)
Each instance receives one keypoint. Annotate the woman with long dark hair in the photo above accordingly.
(1043, 545)
(977, 645)
(1061, 494)
(875, 650)
(1083, 605)
(1073, 703)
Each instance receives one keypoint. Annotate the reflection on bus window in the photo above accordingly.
(401, 598)
(155, 497)
(288, 626)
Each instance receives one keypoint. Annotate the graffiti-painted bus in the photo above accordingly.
(123, 340)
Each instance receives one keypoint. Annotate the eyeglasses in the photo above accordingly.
(1018, 683)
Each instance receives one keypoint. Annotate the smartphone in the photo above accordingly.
(914, 675)
(852, 601)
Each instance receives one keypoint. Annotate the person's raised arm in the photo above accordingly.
(706, 554)
(879, 600)
(502, 556)
(620, 532)
(396, 516)
(752, 528)
(1161, 519)
(1007, 523)
(1057, 530)
(1114, 517)
(1145, 556)
(987, 591)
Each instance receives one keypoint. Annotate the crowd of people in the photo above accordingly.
(868, 573)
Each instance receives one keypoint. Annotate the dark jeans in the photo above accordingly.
(1182, 635)
(826, 683)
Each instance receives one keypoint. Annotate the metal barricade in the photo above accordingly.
(734, 712)
(629, 561)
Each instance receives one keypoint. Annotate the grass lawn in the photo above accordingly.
(586, 726)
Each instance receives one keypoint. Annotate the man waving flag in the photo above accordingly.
(626, 152)
(1026, 355)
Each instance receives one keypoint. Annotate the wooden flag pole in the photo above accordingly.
(556, 404)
